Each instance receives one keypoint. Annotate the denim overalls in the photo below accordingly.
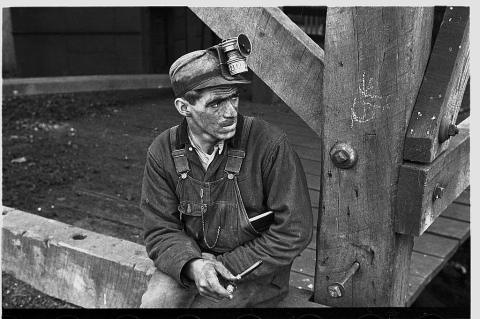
(213, 212)
(214, 215)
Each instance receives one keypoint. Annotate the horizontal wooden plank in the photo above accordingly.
(442, 89)
(422, 270)
(435, 245)
(279, 48)
(73, 264)
(450, 228)
(458, 212)
(464, 198)
(415, 286)
(424, 265)
(417, 207)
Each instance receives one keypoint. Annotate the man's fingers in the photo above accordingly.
(207, 294)
(215, 286)
(224, 272)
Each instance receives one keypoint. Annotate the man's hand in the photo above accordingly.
(205, 272)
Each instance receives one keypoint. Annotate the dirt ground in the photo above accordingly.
(77, 158)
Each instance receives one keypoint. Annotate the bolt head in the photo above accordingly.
(452, 130)
(343, 155)
(438, 192)
(335, 290)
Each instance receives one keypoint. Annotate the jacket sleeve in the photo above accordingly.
(165, 240)
(286, 192)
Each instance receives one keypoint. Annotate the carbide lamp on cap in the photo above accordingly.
(233, 54)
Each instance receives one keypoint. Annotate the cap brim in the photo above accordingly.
(220, 81)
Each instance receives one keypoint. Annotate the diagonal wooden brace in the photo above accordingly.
(283, 56)
(442, 89)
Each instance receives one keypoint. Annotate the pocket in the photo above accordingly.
(225, 215)
(191, 217)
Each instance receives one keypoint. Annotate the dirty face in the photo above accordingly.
(214, 116)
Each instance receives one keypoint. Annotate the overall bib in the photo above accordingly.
(213, 212)
(214, 215)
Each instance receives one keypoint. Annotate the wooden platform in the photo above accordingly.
(431, 251)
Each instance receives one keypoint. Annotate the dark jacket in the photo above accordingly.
(271, 178)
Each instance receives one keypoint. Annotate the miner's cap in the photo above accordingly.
(198, 70)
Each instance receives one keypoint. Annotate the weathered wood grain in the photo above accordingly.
(374, 61)
(417, 206)
(464, 198)
(97, 271)
(433, 245)
(423, 269)
(442, 89)
(450, 228)
(283, 56)
(458, 212)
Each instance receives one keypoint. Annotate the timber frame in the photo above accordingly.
(361, 91)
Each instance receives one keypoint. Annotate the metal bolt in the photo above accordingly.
(337, 289)
(438, 192)
(452, 130)
(343, 155)
(446, 129)
(340, 156)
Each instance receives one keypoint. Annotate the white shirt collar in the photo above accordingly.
(205, 159)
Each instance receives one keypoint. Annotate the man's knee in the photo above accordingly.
(165, 292)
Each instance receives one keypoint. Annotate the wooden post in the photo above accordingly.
(374, 63)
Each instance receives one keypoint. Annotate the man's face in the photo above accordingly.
(214, 115)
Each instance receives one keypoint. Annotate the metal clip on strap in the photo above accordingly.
(179, 156)
(236, 156)
(234, 161)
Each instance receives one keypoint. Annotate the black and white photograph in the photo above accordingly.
(313, 160)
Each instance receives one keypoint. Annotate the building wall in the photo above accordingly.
(102, 40)
(79, 41)
(8, 49)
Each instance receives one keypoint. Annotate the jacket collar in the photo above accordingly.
(234, 142)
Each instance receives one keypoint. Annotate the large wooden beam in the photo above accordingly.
(374, 62)
(442, 89)
(424, 191)
(283, 56)
(81, 267)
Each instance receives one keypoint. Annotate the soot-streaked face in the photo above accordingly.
(214, 116)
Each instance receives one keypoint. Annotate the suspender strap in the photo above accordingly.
(236, 156)
(179, 156)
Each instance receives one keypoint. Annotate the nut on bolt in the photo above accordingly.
(343, 155)
(438, 192)
(452, 130)
(337, 289)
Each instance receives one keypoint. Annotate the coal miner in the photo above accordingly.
(224, 196)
